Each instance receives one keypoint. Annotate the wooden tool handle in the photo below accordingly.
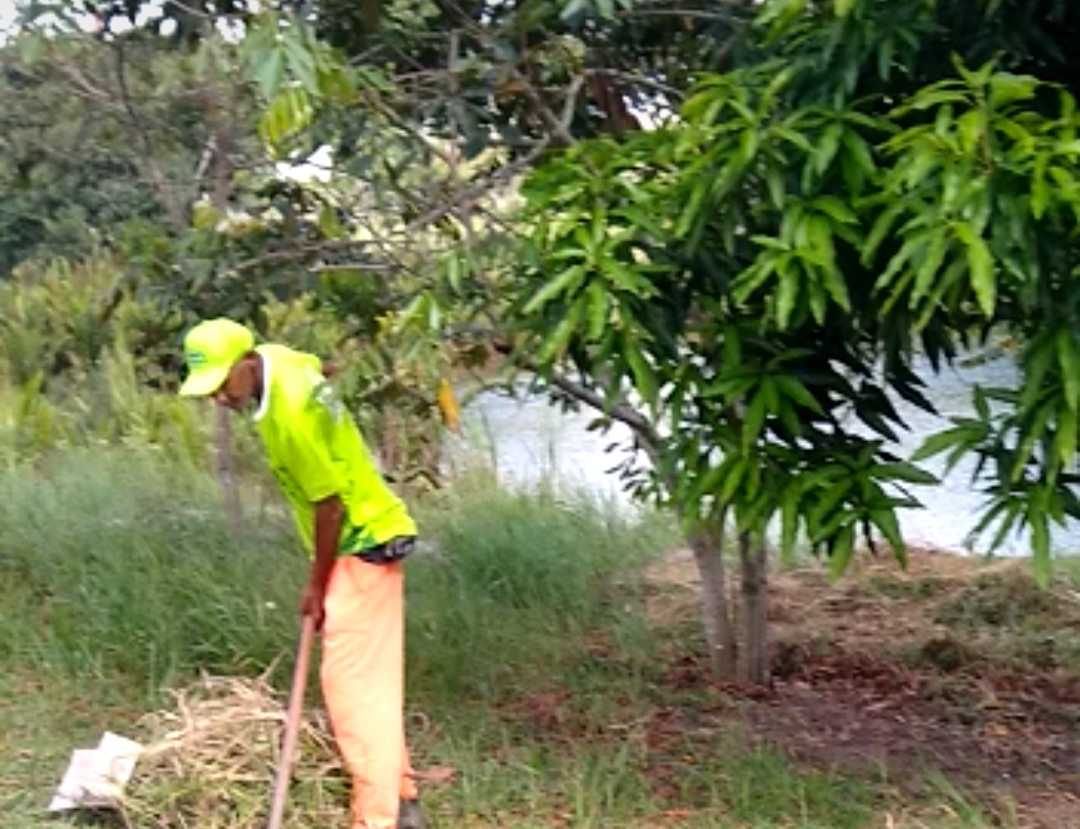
(292, 723)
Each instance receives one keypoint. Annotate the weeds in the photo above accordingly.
(533, 669)
(1009, 618)
(521, 587)
(131, 568)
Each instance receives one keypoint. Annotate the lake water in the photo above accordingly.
(528, 440)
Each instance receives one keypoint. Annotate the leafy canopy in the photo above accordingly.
(764, 272)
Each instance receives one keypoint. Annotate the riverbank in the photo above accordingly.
(556, 669)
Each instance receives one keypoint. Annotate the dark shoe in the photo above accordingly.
(410, 815)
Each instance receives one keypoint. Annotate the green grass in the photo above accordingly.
(132, 569)
(522, 587)
(532, 663)
(1068, 570)
(44, 716)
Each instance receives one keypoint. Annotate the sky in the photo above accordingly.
(7, 18)
(7, 12)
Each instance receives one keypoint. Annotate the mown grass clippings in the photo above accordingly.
(211, 760)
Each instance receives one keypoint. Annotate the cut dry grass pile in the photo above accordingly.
(211, 759)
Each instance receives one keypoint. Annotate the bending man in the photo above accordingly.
(357, 531)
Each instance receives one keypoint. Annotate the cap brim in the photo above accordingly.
(204, 382)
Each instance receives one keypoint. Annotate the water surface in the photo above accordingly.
(529, 440)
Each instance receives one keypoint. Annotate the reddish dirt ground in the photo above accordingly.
(953, 666)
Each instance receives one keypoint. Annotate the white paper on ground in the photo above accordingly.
(95, 777)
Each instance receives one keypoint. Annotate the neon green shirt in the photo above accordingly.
(316, 451)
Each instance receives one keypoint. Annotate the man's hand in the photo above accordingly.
(313, 604)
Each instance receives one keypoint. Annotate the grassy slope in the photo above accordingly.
(533, 662)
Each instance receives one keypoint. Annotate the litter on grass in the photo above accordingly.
(96, 777)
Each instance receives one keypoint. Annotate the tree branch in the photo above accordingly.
(157, 177)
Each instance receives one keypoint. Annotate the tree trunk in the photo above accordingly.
(225, 470)
(707, 544)
(754, 558)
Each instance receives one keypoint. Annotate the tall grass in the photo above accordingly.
(130, 565)
(531, 658)
(523, 587)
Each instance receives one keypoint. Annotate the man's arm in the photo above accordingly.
(329, 516)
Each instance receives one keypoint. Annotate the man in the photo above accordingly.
(357, 531)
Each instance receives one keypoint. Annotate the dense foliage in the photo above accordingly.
(737, 227)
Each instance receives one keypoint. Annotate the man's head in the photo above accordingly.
(221, 363)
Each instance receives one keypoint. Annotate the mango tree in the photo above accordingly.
(763, 273)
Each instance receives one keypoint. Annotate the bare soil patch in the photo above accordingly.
(954, 666)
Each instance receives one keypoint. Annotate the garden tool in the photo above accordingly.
(292, 723)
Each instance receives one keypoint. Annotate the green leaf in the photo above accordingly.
(1069, 357)
(934, 253)
(774, 178)
(787, 295)
(301, 60)
(836, 209)
(289, 113)
(886, 521)
(818, 300)
(1040, 538)
(980, 266)
(756, 275)
(939, 442)
(754, 421)
(565, 283)
(859, 152)
(329, 225)
(599, 308)
(897, 262)
(645, 381)
(771, 242)
(906, 472)
(843, 7)
(733, 479)
(692, 212)
(1007, 88)
(270, 71)
(789, 521)
(829, 504)
(605, 8)
(932, 96)
(886, 53)
(826, 148)
(733, 353)
(558, 340)
(1065, 439)
(882, 226)
(841, 552)
(1040, 187)
(1039, 356)
(1036, 428)
(626, 279)
(795, 390)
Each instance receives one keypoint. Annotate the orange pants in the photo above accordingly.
(363, 685)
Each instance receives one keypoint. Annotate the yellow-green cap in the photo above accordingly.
(211, 349)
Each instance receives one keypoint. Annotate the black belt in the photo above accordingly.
(389, 551)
